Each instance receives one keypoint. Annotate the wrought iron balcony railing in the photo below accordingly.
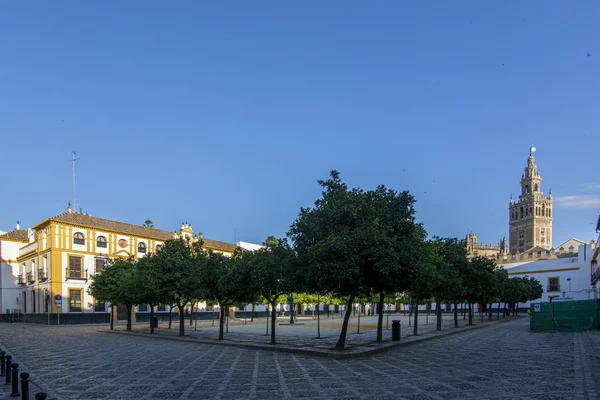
(30, 277)
(21, 279)
(81, 275)
(42, 275)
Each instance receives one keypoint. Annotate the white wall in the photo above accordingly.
(8, 276)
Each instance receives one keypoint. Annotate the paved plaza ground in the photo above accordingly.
(498, 361)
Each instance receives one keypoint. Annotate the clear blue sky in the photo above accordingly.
(226, 117)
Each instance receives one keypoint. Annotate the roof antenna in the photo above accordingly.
(73, 159)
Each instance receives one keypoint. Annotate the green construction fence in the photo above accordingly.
(565, 316)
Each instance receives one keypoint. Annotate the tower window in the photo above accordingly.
(526, 189)
(535, 187)
(521, 212)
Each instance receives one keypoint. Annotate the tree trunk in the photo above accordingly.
(151, 318)
(456, 315)
(462, 309)
(129, 306)
(181, 319)
(498, 312)
(416, 324)
(221, 320)
(438, 314)
(170, 314)
(342, 339)
(490, 312)
(470, 314)
(253, 311)
(516, 309)
(273, 319)
(504, 310)
(380, 317)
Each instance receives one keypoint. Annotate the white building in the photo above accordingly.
(10, 293)
(567, 277)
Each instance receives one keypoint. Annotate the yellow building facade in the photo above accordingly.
(63, 252)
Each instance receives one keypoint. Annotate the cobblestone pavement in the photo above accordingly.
(502, 361)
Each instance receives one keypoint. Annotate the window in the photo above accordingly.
(99, 306)
(142, 248)
(100, 263)
(158, 247)
(143, 308)
(74, 267)
(74, 300)
(161, 307)
(101, 241)
(547, 252)
(78, 238)
(571, 249)
(554, 284)
(521, 212)
(33, 301)
(530, 255)
(535, 187)
(526, 189)
(539, 253)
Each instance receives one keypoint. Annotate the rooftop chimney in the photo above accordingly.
(69, 210)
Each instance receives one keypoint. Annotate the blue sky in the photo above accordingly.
(225, 116)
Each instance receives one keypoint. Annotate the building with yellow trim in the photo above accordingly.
(61, 253)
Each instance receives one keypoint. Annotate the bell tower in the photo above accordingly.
(531, 215)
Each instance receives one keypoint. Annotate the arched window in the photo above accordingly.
(78, 238)
(543, 210)
(549, 213)
(158, 247)
(142, 248)
(521, 211)
(101, 241)
(531, 211)
(535, 187)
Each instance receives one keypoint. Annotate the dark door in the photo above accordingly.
(121, 312)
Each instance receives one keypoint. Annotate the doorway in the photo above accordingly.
(122, 312)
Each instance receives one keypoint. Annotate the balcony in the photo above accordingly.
(30, 277)
(553, 288)
(42, 275)
(21, 279)
(78, 275)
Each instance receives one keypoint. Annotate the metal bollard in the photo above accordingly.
(15, 380)
(40, 396)
(2, 365)
(7, 364)
(24, 386)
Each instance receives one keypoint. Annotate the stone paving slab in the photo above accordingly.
(357, 345)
